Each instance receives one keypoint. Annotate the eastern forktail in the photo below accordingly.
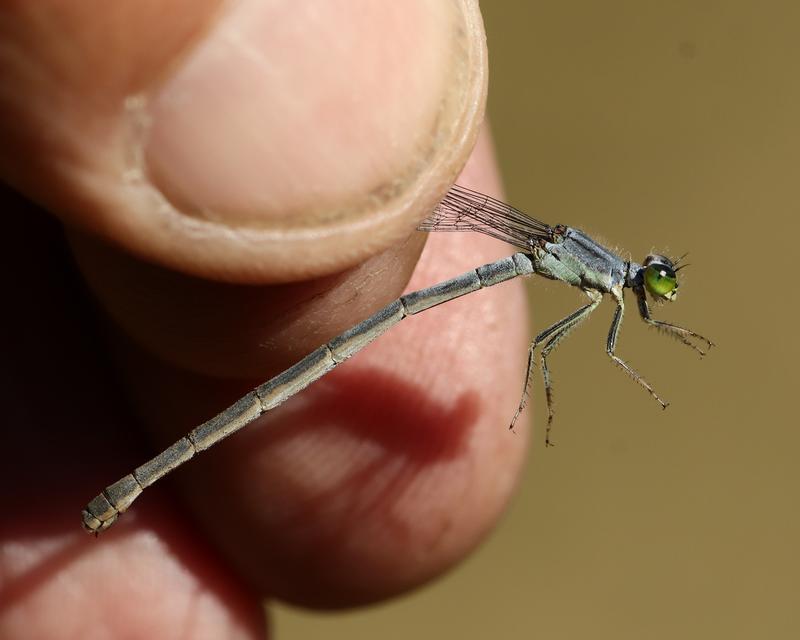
(558, 253)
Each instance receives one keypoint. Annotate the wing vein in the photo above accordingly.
(463, 209)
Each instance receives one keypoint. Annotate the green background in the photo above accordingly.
(656, 125)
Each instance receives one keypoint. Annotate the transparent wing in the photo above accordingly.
(463, 209)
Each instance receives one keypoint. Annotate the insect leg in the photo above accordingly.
(575, 319)
(679, 332)
(553, 335)
(611, 345)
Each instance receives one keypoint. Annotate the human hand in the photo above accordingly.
(217, 211)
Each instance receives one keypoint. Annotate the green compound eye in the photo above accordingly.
(661, 280)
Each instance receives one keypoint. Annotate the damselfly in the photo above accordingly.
(558, 253)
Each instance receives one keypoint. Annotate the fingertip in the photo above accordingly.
(389, 470)
(257, 134)
(68, 433)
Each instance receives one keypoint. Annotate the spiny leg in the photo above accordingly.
(611, 346)
(548, 387)
(554, 332)
(526, 387)
(680, 333)
(573, 321)
(559, 327)
(544, 335)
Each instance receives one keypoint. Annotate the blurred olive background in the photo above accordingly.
(670, 126)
